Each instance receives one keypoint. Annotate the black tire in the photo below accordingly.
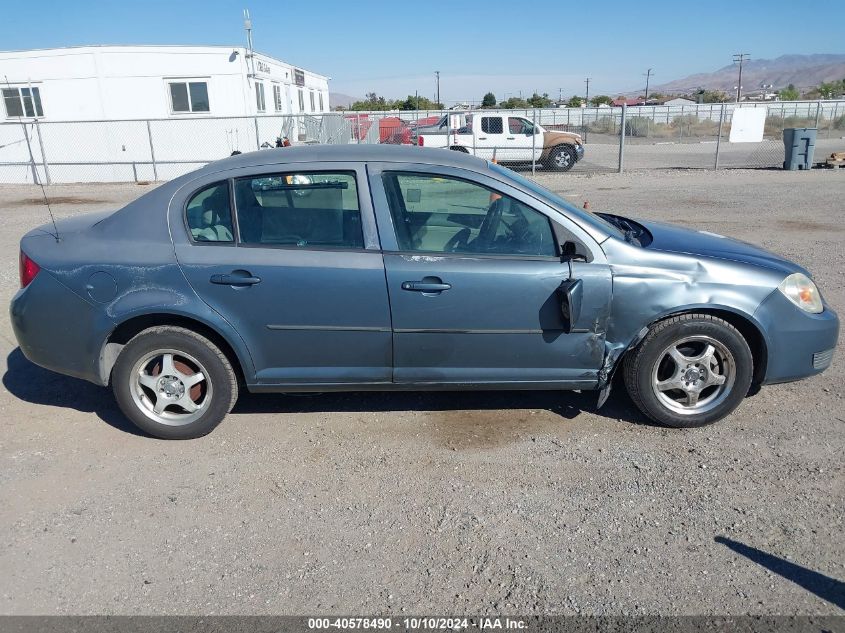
(217, 389)
(651, 371)
(561, 158)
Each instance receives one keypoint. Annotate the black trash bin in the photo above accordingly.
(799, 143)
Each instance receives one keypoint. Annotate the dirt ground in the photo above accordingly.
(440, 503)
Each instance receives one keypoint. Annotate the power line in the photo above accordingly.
(740, 58)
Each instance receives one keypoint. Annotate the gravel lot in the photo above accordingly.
(440, 503)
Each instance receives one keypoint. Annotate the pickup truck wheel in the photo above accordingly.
(689, 370)
(174, 383)
(458, 148)
(561, 158)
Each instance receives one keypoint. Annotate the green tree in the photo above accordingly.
(711, 96)
(574, 102)
(600, 99)
(489, 101)
(417, 103)
(831, 89)
(539, 101)
(371, 102)
(790, 93)
(514, 103)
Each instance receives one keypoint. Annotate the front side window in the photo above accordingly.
(517, 125)
(491, 124)
(441, 214)
(259, 96)
(300, 210)
(189, 96)
(209, 214)
(22, 102)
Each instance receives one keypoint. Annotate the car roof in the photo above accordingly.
(352, 152)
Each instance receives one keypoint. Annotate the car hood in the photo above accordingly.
(675, 239)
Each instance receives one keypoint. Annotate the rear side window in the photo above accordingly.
(209, 214)
(491, 124)
(302, 209)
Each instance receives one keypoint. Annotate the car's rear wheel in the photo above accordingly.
(174, 383)
(690, 370)
(561, 158)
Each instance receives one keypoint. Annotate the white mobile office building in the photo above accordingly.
(122, 113)
(150, 82)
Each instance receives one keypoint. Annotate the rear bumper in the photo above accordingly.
(59, 330)
(579, 151)
(799, 344)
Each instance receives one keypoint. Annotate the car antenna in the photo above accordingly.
(35, 175)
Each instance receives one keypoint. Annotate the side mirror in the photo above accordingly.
(571, 293)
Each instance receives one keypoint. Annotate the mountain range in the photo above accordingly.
(804, 71)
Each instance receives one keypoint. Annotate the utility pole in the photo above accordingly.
(559, 95)
(587, 98)
(647, 77)
(740, 58)
(437, 76)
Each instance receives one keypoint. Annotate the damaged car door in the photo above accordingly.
(486, 283)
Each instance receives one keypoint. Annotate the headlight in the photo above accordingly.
(801, 291)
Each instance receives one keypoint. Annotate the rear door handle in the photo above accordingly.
(425, 286)
(235, 279)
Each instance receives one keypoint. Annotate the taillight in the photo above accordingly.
(28, 270)
(420, 141)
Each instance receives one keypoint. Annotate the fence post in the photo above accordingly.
(257, 140)
(818, 112)
(622, 138)
(534, 142)
(719, 137)
(358, 126)
(152, 151)
(43, 155)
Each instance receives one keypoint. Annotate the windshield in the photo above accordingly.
(559, 202)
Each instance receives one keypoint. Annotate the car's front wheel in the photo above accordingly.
(174, 383)
(689, 370)
(562, 158)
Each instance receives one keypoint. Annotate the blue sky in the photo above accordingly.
(393, 48)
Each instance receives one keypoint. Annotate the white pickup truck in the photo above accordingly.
(510, 139)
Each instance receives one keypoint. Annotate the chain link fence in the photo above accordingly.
(693, 136)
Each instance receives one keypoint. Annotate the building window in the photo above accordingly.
(312, 101)
(22, 102)
(189, 96)
(301, 100)
(277, 97)
(321, 102)
(259, 96)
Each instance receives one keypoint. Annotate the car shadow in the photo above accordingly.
(824, 587)
(31, 383)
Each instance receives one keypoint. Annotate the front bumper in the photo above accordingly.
(59, 330)
(579, 152)
(799, 344)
